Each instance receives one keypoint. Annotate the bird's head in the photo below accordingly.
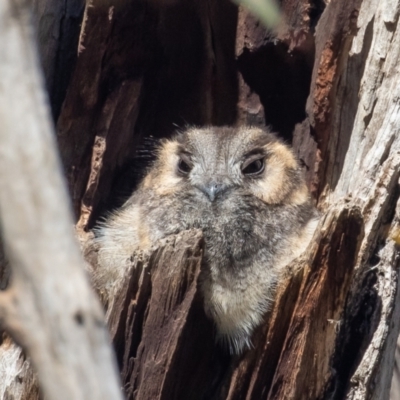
(216, 162)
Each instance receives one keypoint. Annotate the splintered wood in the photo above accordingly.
(161, 335)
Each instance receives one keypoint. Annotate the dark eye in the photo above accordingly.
(254, 167)
(184, 167)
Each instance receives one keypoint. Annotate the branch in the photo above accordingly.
(49, 308)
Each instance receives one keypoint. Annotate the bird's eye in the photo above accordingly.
(254, 167)
(184, 167)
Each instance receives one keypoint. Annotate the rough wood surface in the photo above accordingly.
(163, 366)
(163, 340)
(57, 25)
(48, 307)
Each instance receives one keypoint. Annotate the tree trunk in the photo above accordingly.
(327, 80)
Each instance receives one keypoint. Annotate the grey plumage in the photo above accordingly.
(244, 189)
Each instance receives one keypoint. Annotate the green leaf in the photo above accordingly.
(267, 11)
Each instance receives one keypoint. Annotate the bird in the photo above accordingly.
(244, 188)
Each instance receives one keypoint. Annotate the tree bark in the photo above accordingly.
(327, 81)
(57, 25)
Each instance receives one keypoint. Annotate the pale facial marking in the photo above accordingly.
(274, 187)
(165, 181)
(300, 196)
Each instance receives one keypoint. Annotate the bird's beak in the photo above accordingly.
(213, 189)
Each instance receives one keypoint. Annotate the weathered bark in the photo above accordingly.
(327, 80)
(48, 306)
(57, 25)
(156, 348)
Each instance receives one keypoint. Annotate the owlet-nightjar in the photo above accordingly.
(244, 189)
